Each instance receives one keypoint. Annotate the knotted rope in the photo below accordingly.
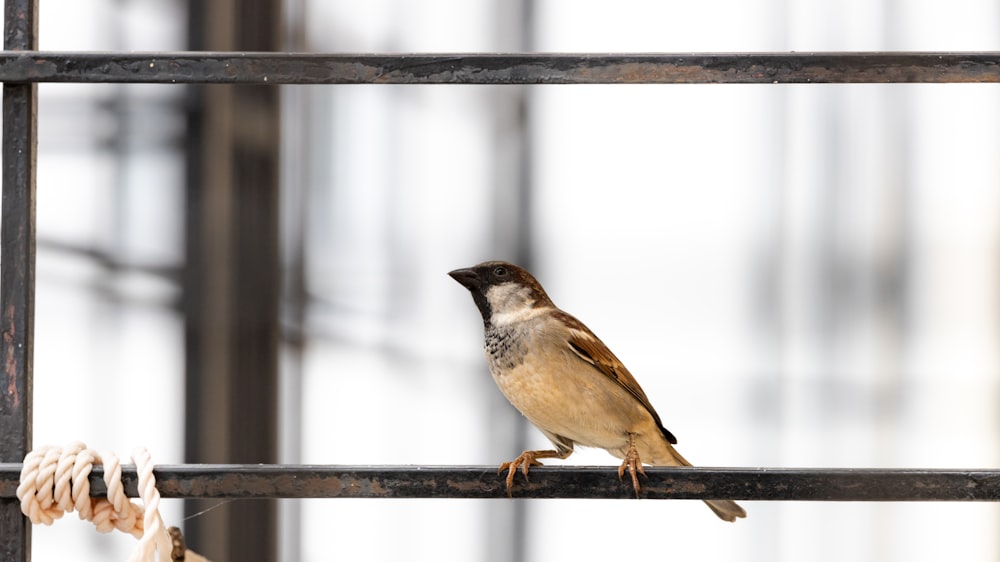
(55, 480)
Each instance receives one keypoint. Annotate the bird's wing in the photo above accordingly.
(588, 347)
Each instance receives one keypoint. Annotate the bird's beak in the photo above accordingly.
(467, 277)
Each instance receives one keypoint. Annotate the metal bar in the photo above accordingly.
(232, 277)
(475, 68)
(17, 268)
(314, 481)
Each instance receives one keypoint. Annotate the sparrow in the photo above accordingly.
(565, 381)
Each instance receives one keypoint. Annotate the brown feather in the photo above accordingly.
(588, 347)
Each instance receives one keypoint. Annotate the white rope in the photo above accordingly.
(155, 539)
(55, 480)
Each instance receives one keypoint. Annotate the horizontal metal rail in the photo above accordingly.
(311, 481)
(474, 68)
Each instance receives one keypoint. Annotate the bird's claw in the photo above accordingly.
(525, 460)
(633, 464)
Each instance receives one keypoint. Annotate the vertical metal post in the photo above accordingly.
(17, 270)
(232, 276)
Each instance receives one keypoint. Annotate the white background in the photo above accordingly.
(799, 276)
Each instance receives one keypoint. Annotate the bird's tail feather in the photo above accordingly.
(727, 510)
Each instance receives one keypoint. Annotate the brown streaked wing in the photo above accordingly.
(586, 345)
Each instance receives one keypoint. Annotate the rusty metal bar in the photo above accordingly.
(17, 268)
(314, 481)
(475, 68)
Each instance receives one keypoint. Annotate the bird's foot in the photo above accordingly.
(633, 464)
(525, 460)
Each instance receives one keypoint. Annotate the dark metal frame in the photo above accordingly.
(17, 268)
(22, 67)
(255, 481)
(694, 68)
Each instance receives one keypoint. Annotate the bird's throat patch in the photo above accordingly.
(504, 350)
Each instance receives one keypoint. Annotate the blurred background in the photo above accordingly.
(799, 276)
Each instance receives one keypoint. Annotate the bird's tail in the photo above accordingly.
(727, 510)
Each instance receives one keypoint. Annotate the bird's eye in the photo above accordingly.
(500, 271)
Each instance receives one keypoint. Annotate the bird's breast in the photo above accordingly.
(557, 391)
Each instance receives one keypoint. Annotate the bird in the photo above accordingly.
(565, 380)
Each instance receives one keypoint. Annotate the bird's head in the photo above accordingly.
(504, 292)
